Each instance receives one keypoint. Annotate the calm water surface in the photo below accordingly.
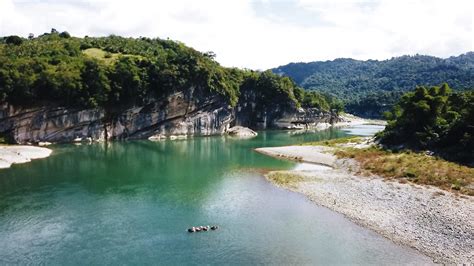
(131, 202)
(363, 130)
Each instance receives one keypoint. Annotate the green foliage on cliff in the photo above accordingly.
(113, 71)
(433, 118)
(325, 101)
(93, 72)
(370, 87)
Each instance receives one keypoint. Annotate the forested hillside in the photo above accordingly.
(56, 68)
(433, 118)
(371, 87)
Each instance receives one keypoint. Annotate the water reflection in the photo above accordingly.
(103, 166)
(130, 203)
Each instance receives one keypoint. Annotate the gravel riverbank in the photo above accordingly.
(438, 223)
(21, 154)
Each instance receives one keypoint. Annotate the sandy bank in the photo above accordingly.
(352, 120)
(309, 154)
(348, 120)
(435, 222)
(21, 154)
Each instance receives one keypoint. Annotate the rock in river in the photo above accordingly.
(241, 132)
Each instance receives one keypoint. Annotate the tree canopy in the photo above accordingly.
(56, 68)
(370, 87)
(433, 118)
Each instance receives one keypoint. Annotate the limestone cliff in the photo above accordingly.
(173, 115)
(254, 113)
(178, 114)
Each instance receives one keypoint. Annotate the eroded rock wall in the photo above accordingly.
(180, 114)
(173, 115)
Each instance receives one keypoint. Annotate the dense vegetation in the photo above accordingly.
(370, 87)
(113, 71)
(433, 118)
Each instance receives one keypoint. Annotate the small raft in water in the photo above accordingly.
(202, 228)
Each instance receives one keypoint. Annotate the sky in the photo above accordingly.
(261, 34)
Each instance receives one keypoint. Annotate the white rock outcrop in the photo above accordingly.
(21, 154)
(241, 132)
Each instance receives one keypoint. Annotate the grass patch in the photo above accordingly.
(334, 142)
(413, 167)
(285, 179)
(106, 57)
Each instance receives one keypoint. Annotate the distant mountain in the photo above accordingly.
(371, 87)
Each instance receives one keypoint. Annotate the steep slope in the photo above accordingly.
(369, 87)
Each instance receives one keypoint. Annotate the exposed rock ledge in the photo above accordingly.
(182, 114)
(241, 132)
(21, 154)
(435, 222)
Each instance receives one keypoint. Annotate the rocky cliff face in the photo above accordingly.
(253, 113)
(179, 114)
(55, 124)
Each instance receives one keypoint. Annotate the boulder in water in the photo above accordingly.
(241, 132)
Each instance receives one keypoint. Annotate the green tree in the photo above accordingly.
(15, 40)
(433, 118)
(127, 82)
(96, 85)
(65, 34)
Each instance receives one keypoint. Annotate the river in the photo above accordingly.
(131, 203)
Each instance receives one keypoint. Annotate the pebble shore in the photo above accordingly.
(438, 223)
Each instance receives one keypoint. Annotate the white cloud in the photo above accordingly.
(243, 37)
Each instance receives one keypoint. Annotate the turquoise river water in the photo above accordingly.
(131, 203)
